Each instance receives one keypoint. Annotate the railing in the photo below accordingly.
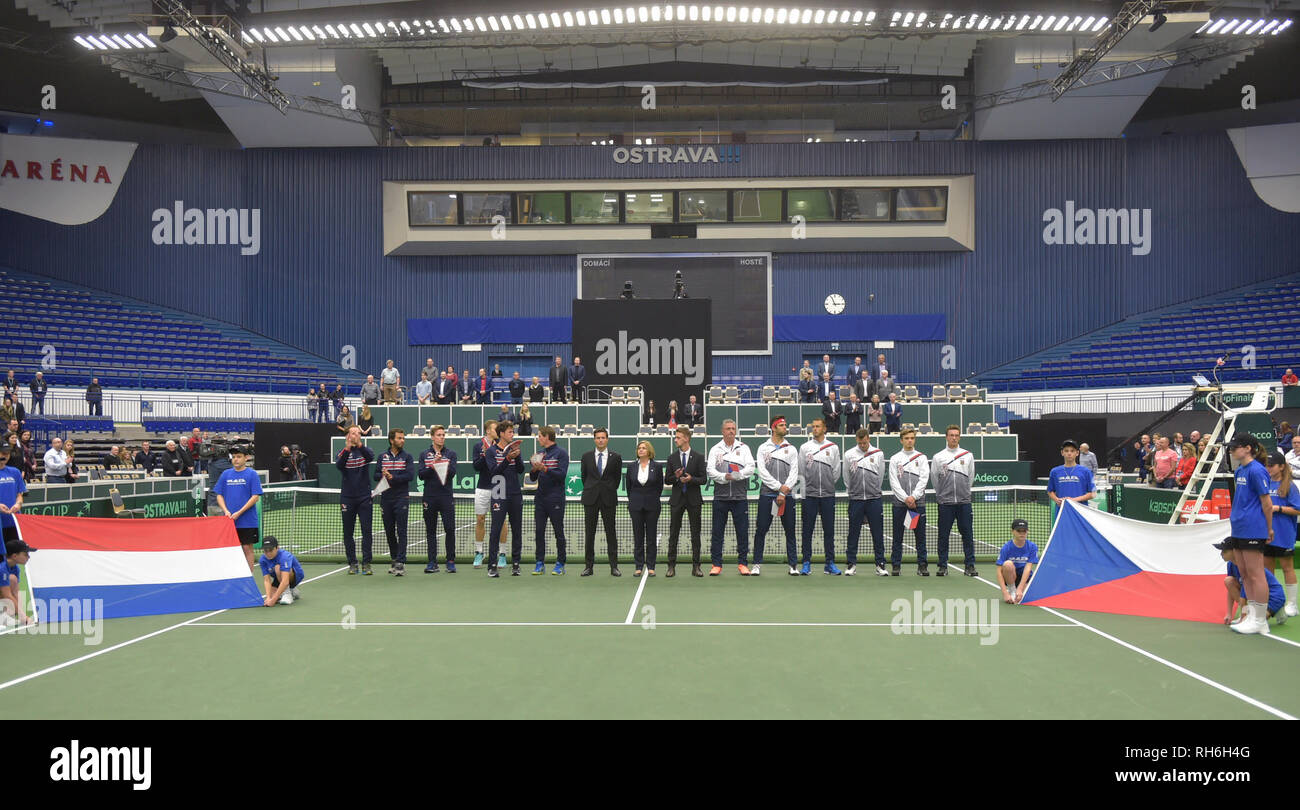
(138, 407)
(1033, 406)
(1118, 378)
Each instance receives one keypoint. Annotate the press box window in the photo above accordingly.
(541, 207)
(593, 207)
(865, 204)
(756, 205)
(481, 207)
(431, 208)
(928, 204)
(649, 206)
(813, 204)
(701, 206)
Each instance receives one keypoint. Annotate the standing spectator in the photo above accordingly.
(1142, 453)
(322, 403)
(825, 387)
(893, 413)
(516, 387)
(819, 465)
(430, 370)
(807, 387)
(525, 421)
(365, 421)
(886, 387)
(391, 380)
(451, 375)
(173, 461)
(95, 397)
(110, 459)
(344, 422)
(56, 463)
(882, 370)
(444, 390)
(686, 473)
(496, 370)
(287, 470)
(694, 413)
(29, 455)
(370, 391)
(863, 387)
(1284, 436)
(645, 488)
(424, 389)
(313, 402)
(1286, 506)
(483, 388)
(536, 393)
(11, 385)
(577, 378)
(952, 471)
(601, 470)
(146, 458)
(671, 418)
(1186, 464)
(39, 388)
(11, 426)
(854, 373)
(465, 389)
(832, 410)
(17, 456)
(875, 413)
(826, 369)
(1176, 445)
(1292, 456)
(852, 414)
(559, 380)
(1088, 458)
(1289, 378)
(730, 464)
(1164, 465)
(650, 418)
(7, 411)
(909, 472)
(507, 415)
(124, 457)
(1194, 437)
(550, 469)
(336, 399)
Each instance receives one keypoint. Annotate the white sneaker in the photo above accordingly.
(1291, 610)
(296, 595)
(794, 572)
(287, 599)
(1251, 625)
(882, 571)
(850, 570)
(1281, 617)
(755, 570)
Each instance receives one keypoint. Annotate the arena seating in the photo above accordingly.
(127, 345)
(1168, 345)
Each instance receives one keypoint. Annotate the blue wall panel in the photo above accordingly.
(321, 281)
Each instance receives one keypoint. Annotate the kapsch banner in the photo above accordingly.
(664, 346)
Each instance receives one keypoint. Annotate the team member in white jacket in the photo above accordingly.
(864, 476)
(819, 464)
(909, 472)
(730, 467)
(778, 470)
(952, 471)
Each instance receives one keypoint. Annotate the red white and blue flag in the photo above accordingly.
(1109, 564)
(913, 519)
(138, 567)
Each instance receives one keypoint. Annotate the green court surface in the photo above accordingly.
(430, 646)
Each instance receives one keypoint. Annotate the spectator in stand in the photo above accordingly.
(875, 413)
(1292, 456)
(288, 472)
(577, 378)
(862, 386)
(322, 403)
(852, 414)
(807, 387)
(517, 387)
(29, 455)
(893, 414)
(496, 371)
(525, 425)
(390, 379)
(825, 387)
(110, 459)
(882, 370)
(825, 369)
(1284, 436)
(1194, 437)
(507, 415)
(95, 397)
(424, 389)
(451, 375)
(671, 417)
(56, 463)
(482, 388)
(465, 389)
(366, 421)
(650, 417)
(694, 413)
(559, 380)
(344, 422)
(313, 402)
(832, 409)
(536, 393)
(444, 390)
(1087, 458)
(173, 461)
(12, 426)
(336, 399)
(1165, 465)
(146, 458)
(7, 411)
(124, 457)
(183, 447)
(11, 385)
(39, 388)
(17, 455)
(430, 369)
(1200, 446)
(1141, 452)
(854, 372)
(1177, 444)
(1289, 378)
(886, 387)
(1186, 464)
(370, 391)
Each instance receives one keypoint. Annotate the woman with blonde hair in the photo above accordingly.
(525, 425)
(365, 420)
(1186, 464)
(645, 488)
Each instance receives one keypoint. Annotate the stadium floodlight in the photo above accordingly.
(1074, 23)
(857, 16)
(907, 19)
(944, 22)
(1060, 24)
(643, 14)
(1033, 26)
(694, 13)
(1282, 27)
(1024, 20)
(1087, 24)
(1241, 27)
(984, 22)
(519, 22)
(1266, 28)
(818, 18)
(370, 32)
(109, 41)
(492, 23)
(920, 19)
(898, 15)
(970, 23)
(780, 16)
(1217, 24)
(744, 13)
(871, 16)
(1011, 21)
(271, 35)
(1227, 29)
(293, 32)
(404, 26)
(731, 13)
(315, 29)
(148, 41)
(717, 13)
(83, 42)
(1100, 24)
(136, 44)
(1258, 24)
(769, 14)
(1047, 24)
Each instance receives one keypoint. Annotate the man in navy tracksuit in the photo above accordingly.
(550, 472)
(354, 463)
(504, 467)
(438, 499)
(397, 468)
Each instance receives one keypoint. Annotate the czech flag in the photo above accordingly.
(913, 519)
(1109, 564)
(138, 567)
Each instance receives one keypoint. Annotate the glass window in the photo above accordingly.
(482, 206)
(815, 204)
(701, 206)
(865, 204)
(916, 203)
(431, 208)
(593, 207)
(541, 207)
(649, 206)
(756, 205)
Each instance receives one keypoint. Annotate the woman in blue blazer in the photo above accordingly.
(645, 487)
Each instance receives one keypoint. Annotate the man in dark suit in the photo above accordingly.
(694, 413)
(825, 367)
(886, 386)
(832, 409)
(686, 473)
(536, 393)
(852, 414)
(601, 470)
(879, 366)
(863, 386)
(482, 388)
(893, 413)
(559, 380)
(465, 388)
(443, 390)
(825, 387)
(855, 372)
(807, 389)
(577, 378)
(516, 387)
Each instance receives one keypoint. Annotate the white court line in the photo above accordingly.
(129, 642)
(607, 624)
(1283, 640)
(631, 612)
(1176, 667)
